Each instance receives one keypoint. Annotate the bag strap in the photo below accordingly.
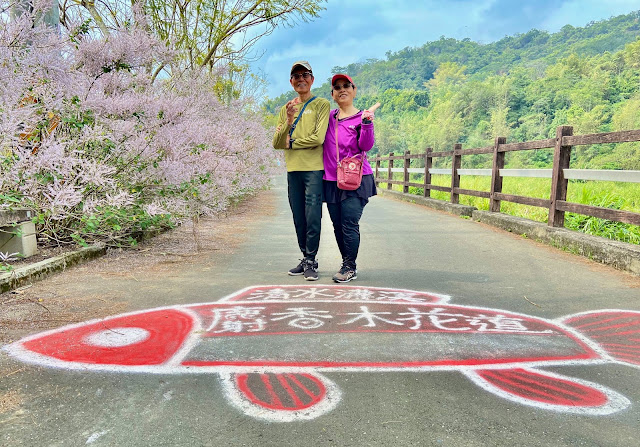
(337, 150)
(293, 126)
(362, 154)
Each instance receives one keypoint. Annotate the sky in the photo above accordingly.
(356, 30)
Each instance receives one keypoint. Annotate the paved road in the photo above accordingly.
(481, 358)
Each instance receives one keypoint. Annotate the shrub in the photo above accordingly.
(100, 152)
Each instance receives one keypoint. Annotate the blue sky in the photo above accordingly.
(355, 30)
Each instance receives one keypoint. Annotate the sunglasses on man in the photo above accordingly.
(341, 86)
(305, 75)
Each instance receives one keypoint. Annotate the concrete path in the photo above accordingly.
(480, 357)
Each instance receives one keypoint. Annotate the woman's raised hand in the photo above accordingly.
(369, 113)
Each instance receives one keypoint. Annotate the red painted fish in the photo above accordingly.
(270, 344)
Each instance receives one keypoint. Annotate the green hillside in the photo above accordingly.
(521, 87)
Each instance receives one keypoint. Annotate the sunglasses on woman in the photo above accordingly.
(341, 86)
(305, 75)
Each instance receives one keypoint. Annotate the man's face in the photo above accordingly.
(301, 80)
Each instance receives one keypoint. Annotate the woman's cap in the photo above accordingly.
(342, 76)
(303, 64)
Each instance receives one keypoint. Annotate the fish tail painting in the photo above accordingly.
(615, 332)
(271, 347)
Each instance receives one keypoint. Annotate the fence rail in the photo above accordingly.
(560, 174)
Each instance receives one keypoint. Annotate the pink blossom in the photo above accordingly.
(169, 147)
(119, 200)
(154, 209)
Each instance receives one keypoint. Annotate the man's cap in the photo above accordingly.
(303, 64)
(342, 76)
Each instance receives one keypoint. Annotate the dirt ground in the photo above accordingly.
(53, 302)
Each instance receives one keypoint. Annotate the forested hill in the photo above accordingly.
(521, 86)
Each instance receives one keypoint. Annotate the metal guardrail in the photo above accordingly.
(571, 174)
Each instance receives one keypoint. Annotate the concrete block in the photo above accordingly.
(14, 216)
(19, 238)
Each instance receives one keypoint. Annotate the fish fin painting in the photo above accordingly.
(549, 391)
(281, 397)
(617, 332)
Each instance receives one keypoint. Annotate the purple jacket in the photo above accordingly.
(348, 142)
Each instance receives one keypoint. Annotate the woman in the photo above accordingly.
(355, 136)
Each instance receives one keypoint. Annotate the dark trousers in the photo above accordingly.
(345, 217)
(305, 199)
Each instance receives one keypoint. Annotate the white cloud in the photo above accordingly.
(581, 12)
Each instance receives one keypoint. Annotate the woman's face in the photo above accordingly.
(343, 92)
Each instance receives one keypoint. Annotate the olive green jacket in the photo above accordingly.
(306, 151)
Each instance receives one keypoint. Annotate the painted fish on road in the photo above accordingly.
(271, 346)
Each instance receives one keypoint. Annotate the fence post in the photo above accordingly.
(407, 163)
(561, 159)
(389, 173)
(427, 172)
(377, 159)
(456, 163)
(496, 179)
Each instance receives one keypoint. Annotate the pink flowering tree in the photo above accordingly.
(102, 153)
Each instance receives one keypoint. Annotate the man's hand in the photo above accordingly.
(292, 109)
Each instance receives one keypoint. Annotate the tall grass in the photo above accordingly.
(615, 195)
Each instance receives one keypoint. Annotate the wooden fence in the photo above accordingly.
(560, 174)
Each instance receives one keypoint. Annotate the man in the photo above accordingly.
(302, 125)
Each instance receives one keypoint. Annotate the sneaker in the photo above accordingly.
(345, 274)
(310, 270)
(297, 270)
